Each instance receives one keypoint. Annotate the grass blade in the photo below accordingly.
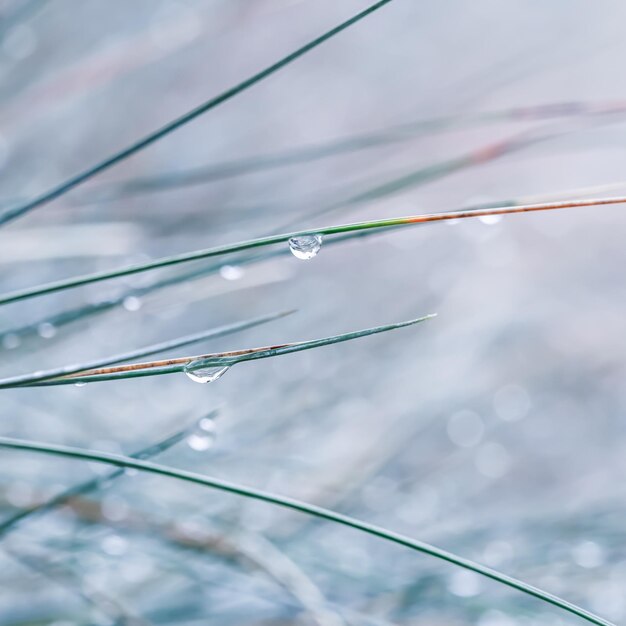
(87, 279)
(94, 484)
(40, 376)
(306, 154)
(94, 308)
(220, 359)
(309, 509)
(146, 141)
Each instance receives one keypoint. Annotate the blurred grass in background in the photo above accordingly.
(494, 431)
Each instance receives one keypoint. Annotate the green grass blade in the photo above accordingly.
(221, 359)
(40, 376)
(308, 509)
(306, 154)
(84, 311)
(69, 184)
(94, 484)
(283, 238)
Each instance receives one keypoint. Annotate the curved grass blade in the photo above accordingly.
(87, 279)
(309, 509)
(306, 154)
(146, 141)
(94, 484)
(219, 359)
(220, 331)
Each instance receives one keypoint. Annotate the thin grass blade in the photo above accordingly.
(146, 141)
(87, 279)
(220, 359)
(94, 484)
(37, 377)
(308, 509)
(306, 154)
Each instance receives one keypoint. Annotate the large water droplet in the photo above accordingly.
(204, 374)
(305, 247)
(80, 384)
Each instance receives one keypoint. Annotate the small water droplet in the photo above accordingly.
(200, 442)
(490, 220)
(46, 330)
(305, 247)
(588, 554)
(131, 303)
(114, 545)
(205, 374)
(207, 425)
(80, 384)
(464, 584)
(231, 272)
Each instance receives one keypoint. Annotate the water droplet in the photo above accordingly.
(464, 584)
(46, 330)
(200, 442)
(204, 435)
(80, 384)
(204, 374)
(588, 554)
(490, 220)
(114, 545)
(498, 552)
(207, 425)
(131, 303)
(231, 272)
(305, 247)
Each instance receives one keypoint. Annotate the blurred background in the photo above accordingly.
(495, 431)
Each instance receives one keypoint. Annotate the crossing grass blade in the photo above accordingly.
(306, 154)
(308, 509)
(64, 187)
(202, 361)
(251, 244)
(94, 484)
(221, 331)
(90, 309)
